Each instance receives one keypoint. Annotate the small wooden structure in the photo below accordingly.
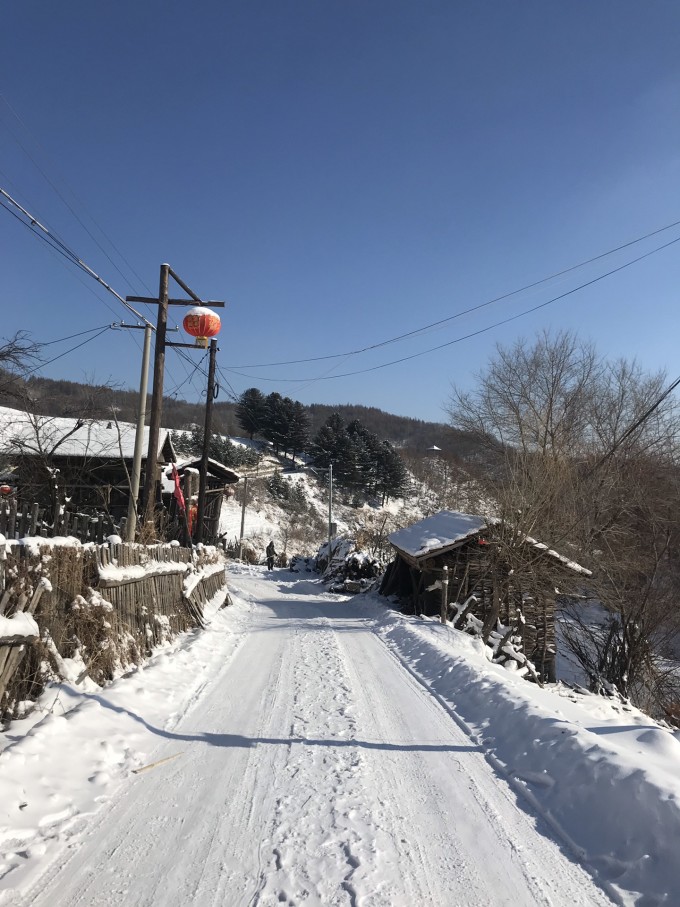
(220, 482)
(501, 574)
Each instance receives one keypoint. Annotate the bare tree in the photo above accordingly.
(36, 444)
(17, 355)
(564, 467)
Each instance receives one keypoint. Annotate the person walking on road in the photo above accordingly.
(271, 554)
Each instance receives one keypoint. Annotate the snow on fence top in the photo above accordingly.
(435, 533)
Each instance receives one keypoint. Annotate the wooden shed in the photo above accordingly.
(220, 483)
(513, 578)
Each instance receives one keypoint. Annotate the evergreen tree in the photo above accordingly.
(325, 446)
(251, 411)
(298, 431)
(392, 474)
(276, 421)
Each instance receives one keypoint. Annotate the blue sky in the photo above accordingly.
(342, 173)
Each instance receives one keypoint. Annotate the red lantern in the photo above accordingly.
(201, 323)
(5, 489)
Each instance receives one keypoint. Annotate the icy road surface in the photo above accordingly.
(314, 769)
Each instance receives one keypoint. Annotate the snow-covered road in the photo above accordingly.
(313, 769)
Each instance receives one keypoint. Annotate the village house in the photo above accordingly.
(220, 484)
(70, 465)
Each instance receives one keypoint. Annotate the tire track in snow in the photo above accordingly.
(320, 828)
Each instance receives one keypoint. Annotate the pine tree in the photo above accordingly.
(276, 421)
(251, 411)
(392, 474)
(298, 435)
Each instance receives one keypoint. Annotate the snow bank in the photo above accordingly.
(111, 573)
(604, 775)
(83, 742)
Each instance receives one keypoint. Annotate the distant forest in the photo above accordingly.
(71, 398)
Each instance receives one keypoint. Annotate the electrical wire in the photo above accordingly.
(177, 388)
(71, 336)
(58, 246)
(66, 352)
(474, 308)
(490, 327)
(234, 395)
(66, 251)
(634, 427)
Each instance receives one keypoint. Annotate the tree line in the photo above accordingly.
(56, 397)
(363, 464)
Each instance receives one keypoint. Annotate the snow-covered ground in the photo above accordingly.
(307, 749)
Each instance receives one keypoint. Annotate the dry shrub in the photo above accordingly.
(104, 650)
(249, 555)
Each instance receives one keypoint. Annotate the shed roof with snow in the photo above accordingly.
(437, 533)
(225, 474)
(444, 531)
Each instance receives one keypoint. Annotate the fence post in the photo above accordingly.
(445, 594)
(11, 523)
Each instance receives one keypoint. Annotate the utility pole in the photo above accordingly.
(158, 372)
(157, 394)
(131, 524)
(207, 434)
(243, 517)
(330, 511)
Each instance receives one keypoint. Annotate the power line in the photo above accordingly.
(71, 336)
(490, 327)
(65, 250)
(58, 246)
(66, 353)
(55, 250)
(178, 387)
(234, 395)
(475, 308)
(634, 427)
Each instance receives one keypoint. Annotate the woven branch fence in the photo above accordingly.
(95, 609)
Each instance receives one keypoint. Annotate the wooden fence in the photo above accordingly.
(103, 607)
(19, 520)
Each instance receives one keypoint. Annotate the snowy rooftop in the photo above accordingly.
(215, 468)
(449, 528)
(435, 533)
(20, 431)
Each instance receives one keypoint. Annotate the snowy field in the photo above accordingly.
(309, 749)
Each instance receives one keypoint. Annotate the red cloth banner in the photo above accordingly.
(177, 493)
